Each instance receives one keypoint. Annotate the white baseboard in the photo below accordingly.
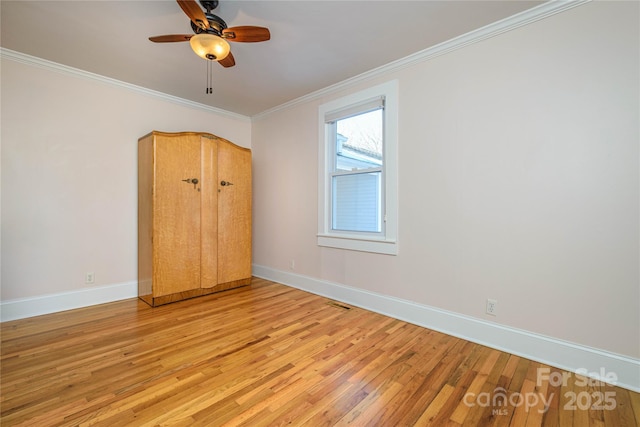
(600, 364)
(45, 304)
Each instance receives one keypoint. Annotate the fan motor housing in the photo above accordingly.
(216, 25)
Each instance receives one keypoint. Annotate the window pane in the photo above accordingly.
(359, 141)
(356, 202)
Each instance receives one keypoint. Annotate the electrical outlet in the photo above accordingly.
(492, 306)
(89, 278)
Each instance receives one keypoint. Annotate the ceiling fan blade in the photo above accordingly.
(227, 62)
(169, 38)
(193, 11)
(247, 34)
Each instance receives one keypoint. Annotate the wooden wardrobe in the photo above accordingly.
(194, 216)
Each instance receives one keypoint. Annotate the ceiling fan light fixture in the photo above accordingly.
(210, 46)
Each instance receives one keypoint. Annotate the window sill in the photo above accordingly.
(358, 243)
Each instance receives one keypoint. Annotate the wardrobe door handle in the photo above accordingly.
(193, 181)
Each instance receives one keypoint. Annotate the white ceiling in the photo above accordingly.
(314, 44)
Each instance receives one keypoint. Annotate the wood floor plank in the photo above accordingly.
(268, 355)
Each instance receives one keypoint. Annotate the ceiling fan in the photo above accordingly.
(211, 33)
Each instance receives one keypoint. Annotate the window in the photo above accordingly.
(357, 171)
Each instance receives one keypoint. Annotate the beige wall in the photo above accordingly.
(69, 176)
(518, 180)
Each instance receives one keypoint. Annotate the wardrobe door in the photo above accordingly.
(209, 213)
(234, 212)
(176, 214)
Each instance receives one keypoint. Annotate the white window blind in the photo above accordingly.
(354, 110)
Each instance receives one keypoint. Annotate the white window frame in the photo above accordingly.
(386, 241)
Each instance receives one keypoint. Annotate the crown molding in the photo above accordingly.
(494, 29)
(23, 58)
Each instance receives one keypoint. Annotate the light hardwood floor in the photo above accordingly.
(270, 355)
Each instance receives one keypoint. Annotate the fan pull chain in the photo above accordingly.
(209, 78)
